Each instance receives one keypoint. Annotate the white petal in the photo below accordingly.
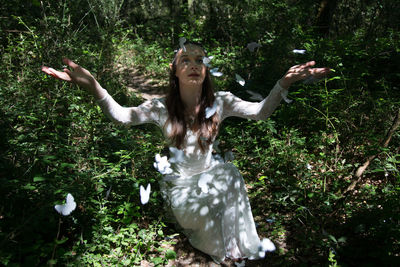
(284, 96)
(167, 171)
(253, 45)
(299, 51)
(261, 254)
(215, 72)
(240, 264)
(108, 192)
(68, 207)
(158, 158)
(145, 194)
(240, 80)
(255, 96)
(267, 245)
(210, 111)
(182, 40)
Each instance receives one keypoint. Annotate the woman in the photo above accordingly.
(206, 195)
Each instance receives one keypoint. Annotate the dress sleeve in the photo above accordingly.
(151, 111)
(234, 106)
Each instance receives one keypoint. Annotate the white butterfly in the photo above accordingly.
(145, 194)
(253, 45)
(182, 40)
(162, 165)
(299, 51)
(176, 155)
(215, 72)
(240, 80)
(210, 111)
(108, 192)
(207, 60)
(255, 96)
(284, 96)
(266, 245)
(68, 207)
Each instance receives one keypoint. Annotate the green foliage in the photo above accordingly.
(297, 164)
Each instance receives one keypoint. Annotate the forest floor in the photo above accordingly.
(148, 88)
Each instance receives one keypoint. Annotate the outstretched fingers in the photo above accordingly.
(319, 72)
(65, 76)
(70, 63)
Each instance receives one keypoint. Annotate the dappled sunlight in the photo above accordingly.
(213, 209)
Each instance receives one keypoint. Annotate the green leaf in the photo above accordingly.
(332, 238)
(29, 187)
(170, 254)
(39, 179)
(157, 260)
(62, 241)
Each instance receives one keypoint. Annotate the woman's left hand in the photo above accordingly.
(301, 72)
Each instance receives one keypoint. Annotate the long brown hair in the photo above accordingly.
(207, 129)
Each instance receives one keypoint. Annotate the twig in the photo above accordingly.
(361, 169)
(55, 245)
(384, 143)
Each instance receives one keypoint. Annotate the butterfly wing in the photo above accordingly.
(215, 72)
(182, 40)
(267, 245)
(299, 51)
(68, 207)
(240, 80)
(207, 60)
(255, 96)
(59, 208)
(145, 194)
(253, 45)
(210, 111)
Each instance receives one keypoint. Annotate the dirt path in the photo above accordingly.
(140, 84)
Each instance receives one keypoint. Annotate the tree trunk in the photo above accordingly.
(324, 17)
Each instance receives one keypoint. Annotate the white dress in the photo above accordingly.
(207, 196)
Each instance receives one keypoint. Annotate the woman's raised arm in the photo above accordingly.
(234, 106)
(79, 76)
(302, 72)
(148, 112)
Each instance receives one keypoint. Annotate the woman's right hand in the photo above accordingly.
(79, 76)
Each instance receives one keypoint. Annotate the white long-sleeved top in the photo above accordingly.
(206, 196)
(227, 105)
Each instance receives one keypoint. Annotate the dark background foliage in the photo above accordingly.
(298, 164)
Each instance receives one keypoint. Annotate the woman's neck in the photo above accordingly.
(190, 96)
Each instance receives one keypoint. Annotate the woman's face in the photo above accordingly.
(190, 69)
